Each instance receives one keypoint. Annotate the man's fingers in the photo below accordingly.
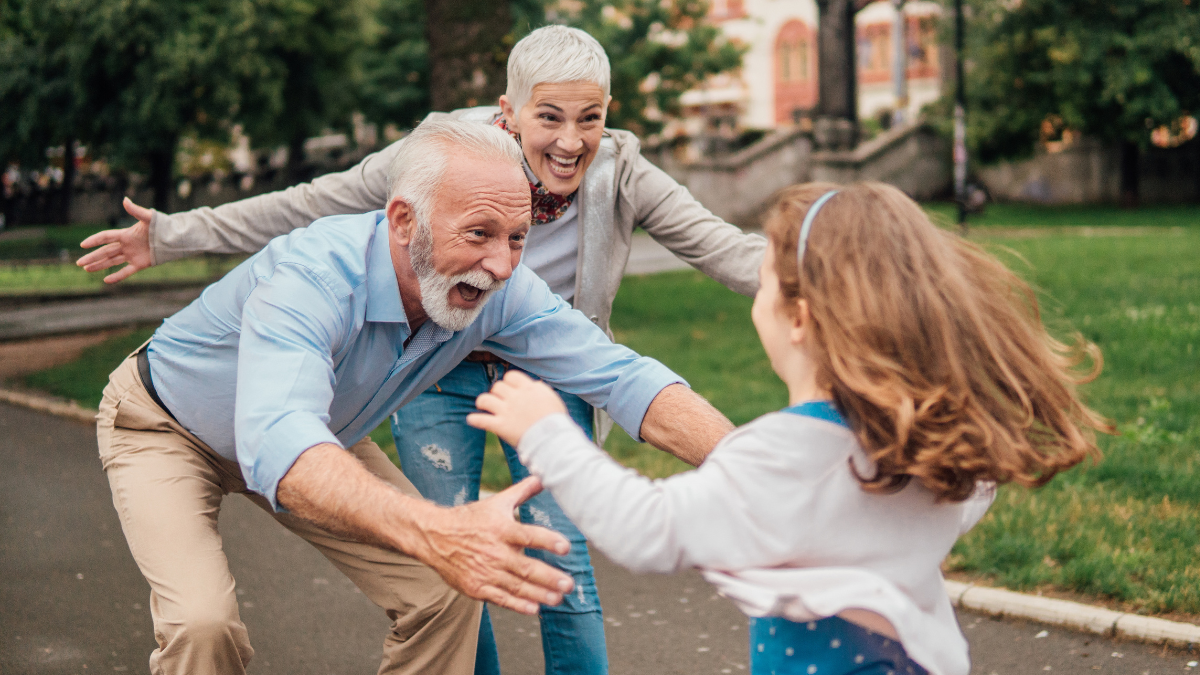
(532, 536)
(121, 274)
(542, 576)
(517, 494)
(140, 212)
(497, 596)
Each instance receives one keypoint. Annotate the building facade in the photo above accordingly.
(777, 84)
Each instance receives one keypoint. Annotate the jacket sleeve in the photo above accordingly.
(670, 214)
(245, 226)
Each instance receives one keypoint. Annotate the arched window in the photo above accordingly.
(795, 71)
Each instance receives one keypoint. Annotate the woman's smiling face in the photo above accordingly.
(560, 127)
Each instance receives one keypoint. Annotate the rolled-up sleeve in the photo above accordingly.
(291, 325)
(544, 336)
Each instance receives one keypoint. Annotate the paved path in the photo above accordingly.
(72, 600)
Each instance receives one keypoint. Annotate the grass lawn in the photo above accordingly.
(1126, 529)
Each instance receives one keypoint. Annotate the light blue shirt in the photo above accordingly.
(304, 344)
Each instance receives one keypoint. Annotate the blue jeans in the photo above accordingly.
(443, 457)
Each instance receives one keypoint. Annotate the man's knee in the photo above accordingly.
(438, 607)
(203, 623)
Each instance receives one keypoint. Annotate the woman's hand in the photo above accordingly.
(130, 245)
(513, 405)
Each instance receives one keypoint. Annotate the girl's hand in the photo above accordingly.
(513, 405)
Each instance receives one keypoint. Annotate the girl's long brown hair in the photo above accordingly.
(931, 347)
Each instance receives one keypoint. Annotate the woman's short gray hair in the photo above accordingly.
(554, 54)
(416, 171)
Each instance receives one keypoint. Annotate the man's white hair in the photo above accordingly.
(416, 172)
(555, 54)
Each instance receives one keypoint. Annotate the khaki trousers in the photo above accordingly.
(167, 488)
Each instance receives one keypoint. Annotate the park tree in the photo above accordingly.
(1110, 70)
(143, 74)
(41, 69)
(309, 53)
(395, 69)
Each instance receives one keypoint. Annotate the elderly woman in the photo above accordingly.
(590, 188)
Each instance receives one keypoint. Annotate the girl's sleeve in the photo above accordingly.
(703, 517)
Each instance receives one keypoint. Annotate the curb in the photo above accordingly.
(1074, 615)
(47, 404)
(984, 599)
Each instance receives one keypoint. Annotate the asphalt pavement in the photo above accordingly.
(73, 601)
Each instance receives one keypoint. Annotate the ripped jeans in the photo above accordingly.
(443, 457)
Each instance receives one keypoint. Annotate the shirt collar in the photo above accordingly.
(383, 291)
(822, 410)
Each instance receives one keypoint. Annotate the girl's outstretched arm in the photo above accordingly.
(701, 517)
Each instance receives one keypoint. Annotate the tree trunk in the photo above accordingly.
(68, 185)
(295, 169)
(161, 165)
(837, 78)
(1130, 154)
(467, 51)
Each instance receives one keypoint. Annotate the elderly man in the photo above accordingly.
(590, 188)
(269, 383)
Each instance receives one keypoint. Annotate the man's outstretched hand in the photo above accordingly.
(478, 549)
(130, 245)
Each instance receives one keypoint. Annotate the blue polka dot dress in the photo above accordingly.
(831, 646)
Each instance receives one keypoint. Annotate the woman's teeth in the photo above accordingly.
(565, 164)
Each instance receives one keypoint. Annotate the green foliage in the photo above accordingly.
(658, 50)
(395, 70)
(39, 73)
(84, 379)
(1110, 70)
(131, 77)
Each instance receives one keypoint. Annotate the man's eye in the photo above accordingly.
(478, 233)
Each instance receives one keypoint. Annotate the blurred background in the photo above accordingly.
(197, 102)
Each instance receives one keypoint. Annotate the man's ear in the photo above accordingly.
(402, 220)
(800, 323)
(510, 115)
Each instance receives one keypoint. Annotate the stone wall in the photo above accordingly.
(1088, 172)
(739, 187)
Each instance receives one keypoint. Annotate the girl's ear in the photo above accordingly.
(799, 328)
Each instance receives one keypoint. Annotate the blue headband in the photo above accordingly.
(808, 221)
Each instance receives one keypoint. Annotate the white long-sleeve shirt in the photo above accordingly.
(777, 522)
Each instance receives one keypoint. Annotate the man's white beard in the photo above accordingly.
(436, 288)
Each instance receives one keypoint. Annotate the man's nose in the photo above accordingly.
(498, 262)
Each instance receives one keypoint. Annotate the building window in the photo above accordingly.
(795, 71)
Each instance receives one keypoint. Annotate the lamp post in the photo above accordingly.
(960, 120)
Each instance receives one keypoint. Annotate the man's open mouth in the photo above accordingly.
(468, 292)
(562, 165)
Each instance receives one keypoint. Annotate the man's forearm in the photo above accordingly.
(681, 422)
(331, 488)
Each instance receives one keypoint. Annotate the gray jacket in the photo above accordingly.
(620, 191)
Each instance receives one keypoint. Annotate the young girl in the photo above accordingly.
(919, 375)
